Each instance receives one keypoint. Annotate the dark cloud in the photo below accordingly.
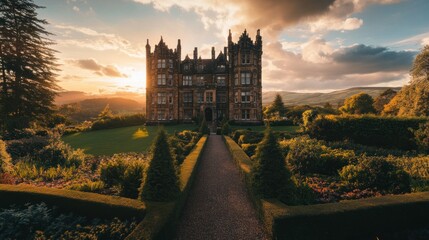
(99, 69)
(358, 65)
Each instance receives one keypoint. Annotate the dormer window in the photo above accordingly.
(161, 63)
(221, 67)
(186, 67)
(170, 63)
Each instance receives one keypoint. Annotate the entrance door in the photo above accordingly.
(208, 113)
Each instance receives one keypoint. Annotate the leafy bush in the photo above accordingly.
(204, 128)
(308, 117)
(5, 159)
(249, 149)
(182, 144)
(59, 153)
(360, 103)
(387, 132)
(125, 171)
(89, 186)
(421, 136)
(307, 156)
(269, 176)
(281, 122)
(237, 133)
(376, 173)
(119, 121)
(38, 221)
(27, 170)
(250, 137)
(226, 129)
(26, 146)
(161, 182)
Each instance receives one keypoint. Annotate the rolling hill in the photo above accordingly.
(319, 99)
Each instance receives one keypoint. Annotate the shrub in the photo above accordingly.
(26, 146)
(308, 117)
(5, 159)
(376, 173)
(125, 171)
(280, 122)
(59, 153)
(269, 176)
(308, 156)
(226, 129)
(249, 149)
(250, 137)
(421, 136)
(237, 133)
(204, 128)
(387, 132)
(119, 121)
(360, 103)
(161, 182)
(88, 186)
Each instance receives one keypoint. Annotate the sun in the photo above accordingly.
(134, 82)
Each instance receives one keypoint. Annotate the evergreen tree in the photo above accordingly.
(360, 103)
(204, 128)
(106, 113)
(27, 65)
(413, 99)
(161, 182)
(270, 177)
(277, 108)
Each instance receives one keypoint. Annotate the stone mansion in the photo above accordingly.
(225, 86)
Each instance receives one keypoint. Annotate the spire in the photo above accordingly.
(213, 53)
(258, 41)
(195, 54)
(229, 37)
(179, 50)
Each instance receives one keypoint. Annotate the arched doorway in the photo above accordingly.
(208, 113)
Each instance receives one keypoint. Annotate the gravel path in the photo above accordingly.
(218, 206)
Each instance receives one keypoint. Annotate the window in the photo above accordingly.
(187, 80)
(221, 67)
(245, 97)
(186, 67)
(161, 63)
(170, 98)
(170, 63)
(245, 78)
(161, 114)
(200, 67)
(187, 97)
(200, 97)
(170, 79)
(222, 98)
(187, 114)
(236, 79)
(209, 97)
(161, 80)
(245, 58)
(245, 114)
(162, 98)
(200, 81)
(220, 80)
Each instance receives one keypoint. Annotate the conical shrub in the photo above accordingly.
(270, 177)
(161, 182)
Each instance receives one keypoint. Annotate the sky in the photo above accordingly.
(308, 45)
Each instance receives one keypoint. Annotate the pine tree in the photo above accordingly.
(27, 63)
(270, 177)
(106, 113)
(161, 182)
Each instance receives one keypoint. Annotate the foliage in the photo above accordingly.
(376, 173)
(88, 186)
(28, 170)
(249, 149)
(204, 128)
(38, 221)
(250, 137)
(277, 108)
(119, 121)
(26, 146)
(280, 122)
(269, 176)
(125, 171)
(421, 136)
(413, 99)
(5, 159)
(386, 132)
(384, 98)
(27, 65)
(360, 103)
(306, 156)
(182, 143)
(105, 114)
(161, 182)
(226, 129)
(308, 117)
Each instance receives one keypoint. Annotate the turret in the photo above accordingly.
(179, 50)
(213, 53)
(147, 49)
(195, 54)
(258, 42)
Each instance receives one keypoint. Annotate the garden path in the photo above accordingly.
(218, 206)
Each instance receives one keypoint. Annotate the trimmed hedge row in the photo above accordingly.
(355, 219)
(83, 203)
(385, 132)
(161, 218)
(119, 121)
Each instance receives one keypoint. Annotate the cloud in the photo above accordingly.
(273, 16)
(76, 9)
(101, 70)
(92, 39)
(420, 39)
(319, 66)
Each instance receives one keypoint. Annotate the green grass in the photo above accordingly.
(119, 140)
(290, 129)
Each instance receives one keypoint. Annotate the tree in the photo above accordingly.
(161, 182)
(277, 108)
(27, 65)
(106, 113)
(5, 159)
(413, 99)
(383, 99)
(270, 177)
(360, 103)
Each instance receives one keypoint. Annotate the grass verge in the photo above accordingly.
(83, 203)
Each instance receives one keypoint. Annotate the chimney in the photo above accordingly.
(195, 54)
(213, 53)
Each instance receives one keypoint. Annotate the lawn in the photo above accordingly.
(119, 140)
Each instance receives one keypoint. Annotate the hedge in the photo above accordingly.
(84, 203)
(354, 219)
(385, 132)
(119, 121)
(161, 218)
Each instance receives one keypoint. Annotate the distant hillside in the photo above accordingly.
(115, 104)
(76, 96)
(334, 98)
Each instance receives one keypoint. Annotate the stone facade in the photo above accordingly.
(226, 86)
